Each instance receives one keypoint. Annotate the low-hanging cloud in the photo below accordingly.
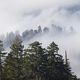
(16, 14)
(27, 14)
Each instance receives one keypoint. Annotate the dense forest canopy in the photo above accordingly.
(32, 53)
(34, 62)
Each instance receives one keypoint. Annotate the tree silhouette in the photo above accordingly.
(14, 61)
(36, 63)
(2, 55)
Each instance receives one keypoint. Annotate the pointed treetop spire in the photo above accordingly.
(66, 59)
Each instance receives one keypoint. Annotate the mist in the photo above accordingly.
(69, 43)
(23, 14)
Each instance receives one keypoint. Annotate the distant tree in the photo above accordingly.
(9, 38)
(35, 32)
(39, 29)
(28, 34)
(25, 34)
(31, 34)
(56, 29)
(45, 30)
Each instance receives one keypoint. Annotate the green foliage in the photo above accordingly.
(2, 55)
(13, 66)
(35, 56)
(36, 63)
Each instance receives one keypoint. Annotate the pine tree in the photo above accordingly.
(35, 54)
(67, 68)
(39, 29)
(2, 55)
(36, 63)
(52, 51)
(14, 61)
(58, 70)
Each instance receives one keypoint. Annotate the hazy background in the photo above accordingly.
(28, 14)
(23, 14)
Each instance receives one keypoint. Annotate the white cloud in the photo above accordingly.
(23, 14)
(12, 11)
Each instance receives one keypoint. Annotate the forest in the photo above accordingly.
(29, 34)
(34, 62)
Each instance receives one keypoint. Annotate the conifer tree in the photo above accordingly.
(52, 60)
(67, 68)
(2, 54)
(36, 63)
(58, 70)
(14, 61)
(35, 55)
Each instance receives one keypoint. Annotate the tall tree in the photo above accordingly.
(1, 60)
(39, 29)
(58, 70)
(68, 75)
(35, 56)
(36, 63)
(14, 61)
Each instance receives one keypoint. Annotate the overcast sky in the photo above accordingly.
(25, 14)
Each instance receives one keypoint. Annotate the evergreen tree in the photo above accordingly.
(46, 30)
(1, 60)
(35, 55)
(14, 61)
(68, 74)
(52, 50)
(36, 63)
(58, 70)
(39, 29)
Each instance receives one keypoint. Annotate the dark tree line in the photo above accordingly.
(34, 63)
(27, 35)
